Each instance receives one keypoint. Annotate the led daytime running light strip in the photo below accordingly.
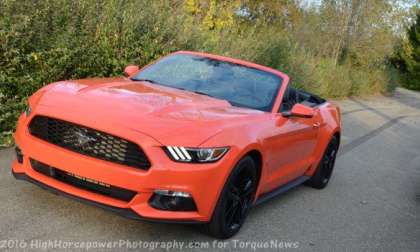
(179, 153)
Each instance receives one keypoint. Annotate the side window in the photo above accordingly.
(289, 99)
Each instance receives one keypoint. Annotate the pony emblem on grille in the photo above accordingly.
(82, 139)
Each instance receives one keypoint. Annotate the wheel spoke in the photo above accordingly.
(230, 217)
(234, 197)
(230, 208)
(248, 189)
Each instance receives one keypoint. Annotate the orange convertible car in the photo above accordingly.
(190, 138)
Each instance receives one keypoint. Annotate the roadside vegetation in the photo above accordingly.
(334, 48)
(407, 58)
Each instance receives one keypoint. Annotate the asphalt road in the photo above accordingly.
(372, 202)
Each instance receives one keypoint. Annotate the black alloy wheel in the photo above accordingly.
(235, 201)
(239, 198)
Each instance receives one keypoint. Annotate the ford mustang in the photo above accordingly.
(189, 138)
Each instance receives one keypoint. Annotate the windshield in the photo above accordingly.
(239, 85)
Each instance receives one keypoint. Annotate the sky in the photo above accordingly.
(403, 3)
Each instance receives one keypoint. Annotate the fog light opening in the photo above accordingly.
(172, 201)
(19, 155)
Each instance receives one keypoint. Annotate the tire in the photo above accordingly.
(325, 167)
(235, 201)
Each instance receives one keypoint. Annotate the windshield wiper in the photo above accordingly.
(146, 80)
(212, 96)
(202, 93)
(193, 91)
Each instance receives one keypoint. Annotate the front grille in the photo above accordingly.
(88, 141)
(83, 183)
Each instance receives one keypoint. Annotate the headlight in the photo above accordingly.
(28, 111)
(195, 155)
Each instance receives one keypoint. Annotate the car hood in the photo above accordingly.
(166, 114)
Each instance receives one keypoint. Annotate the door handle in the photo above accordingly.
(316, 125)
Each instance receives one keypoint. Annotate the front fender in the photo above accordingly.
(241, 142)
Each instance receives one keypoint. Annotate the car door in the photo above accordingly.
(291, 144)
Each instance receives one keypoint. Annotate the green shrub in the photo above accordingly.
(408, 57)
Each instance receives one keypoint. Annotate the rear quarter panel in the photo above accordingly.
(330, 125)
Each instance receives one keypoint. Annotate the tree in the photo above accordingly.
(408, 57)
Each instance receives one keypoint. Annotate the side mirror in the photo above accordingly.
(130, 70)
(300, 110)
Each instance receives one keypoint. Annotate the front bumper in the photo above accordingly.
(125, 212)
(202, 181)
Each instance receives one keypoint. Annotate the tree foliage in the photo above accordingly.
(408, 57)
